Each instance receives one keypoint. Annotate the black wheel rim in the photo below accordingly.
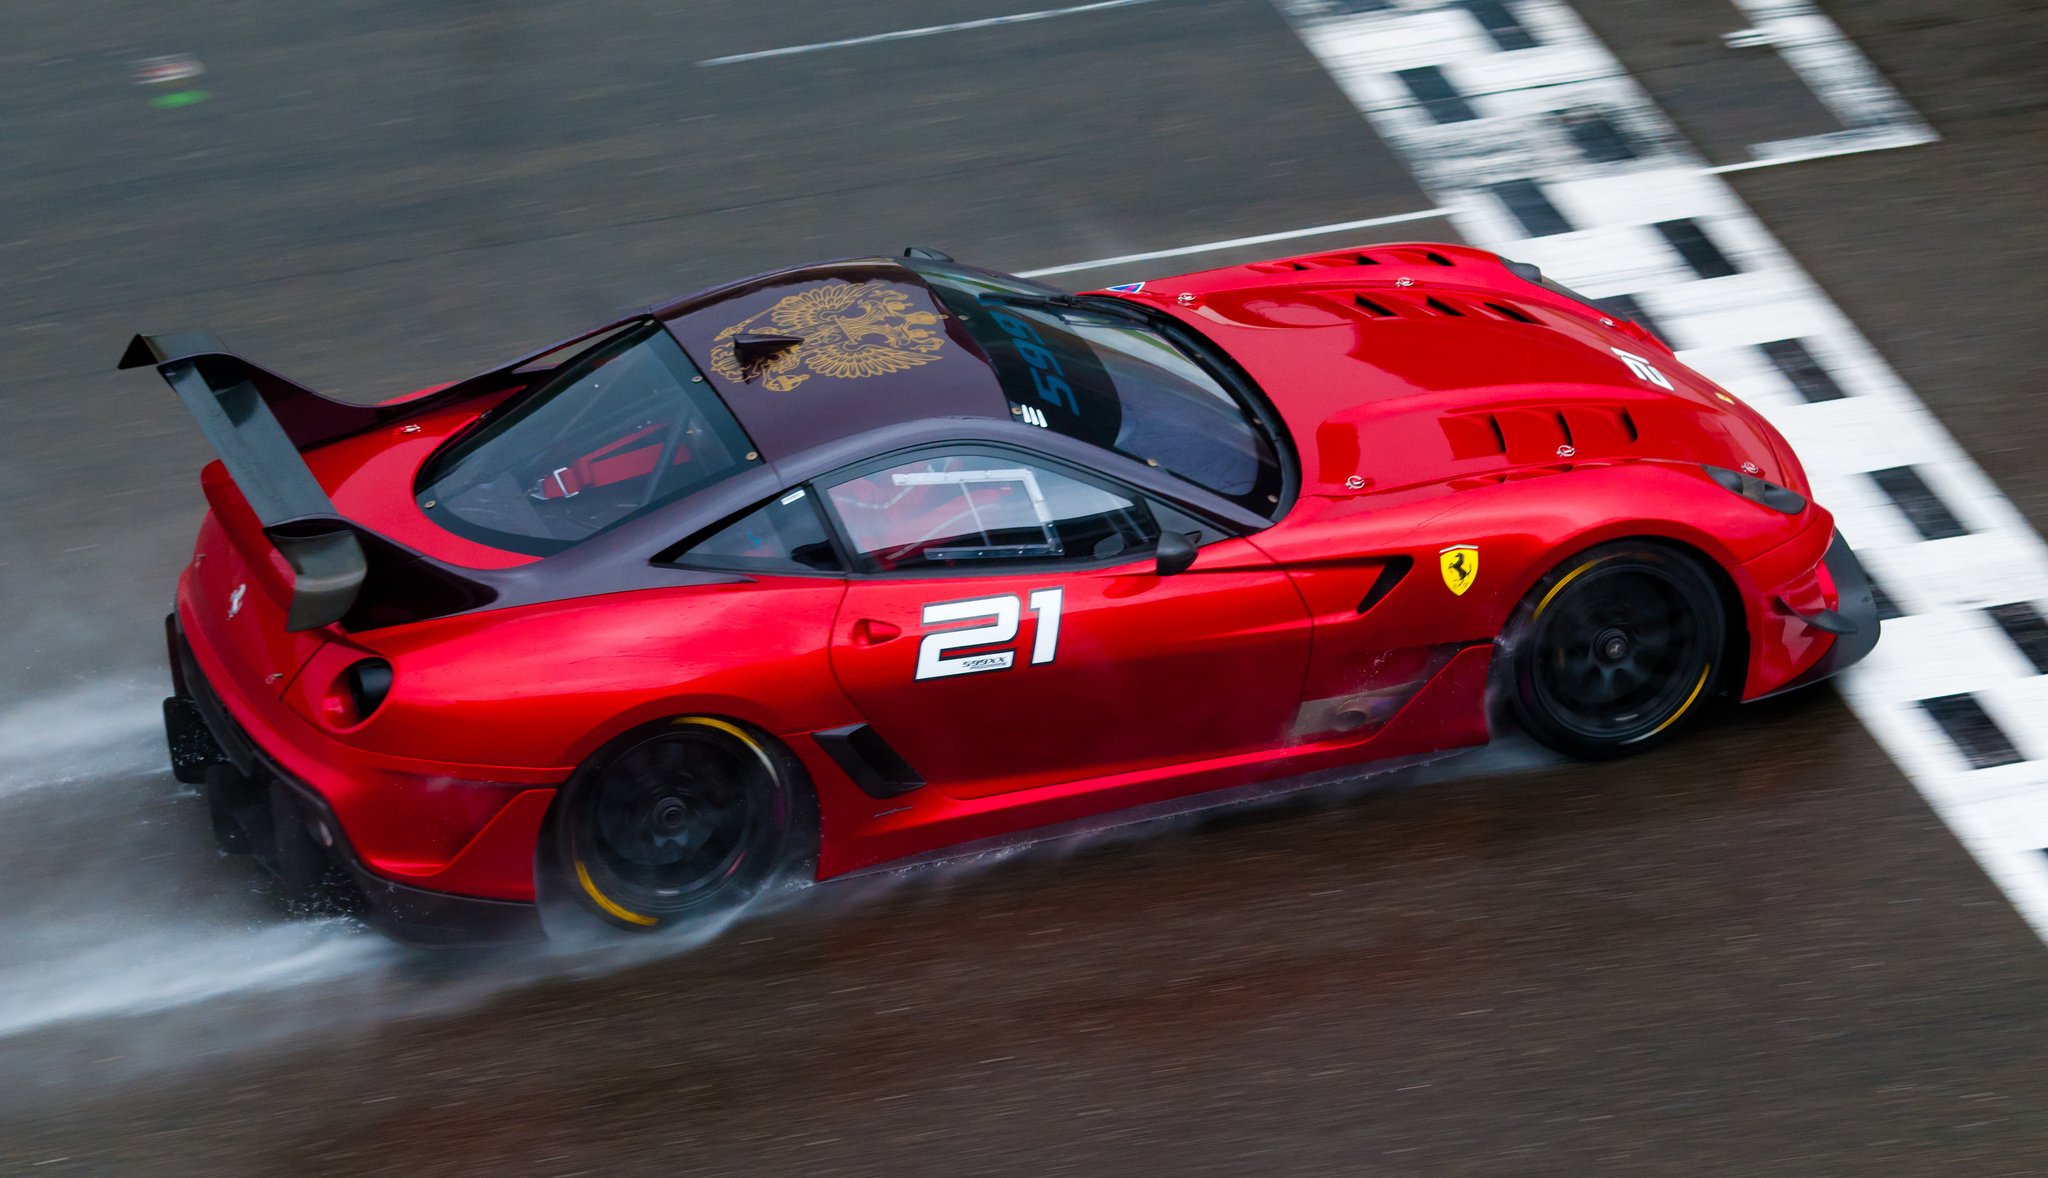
(671, 823)
(1621, 651)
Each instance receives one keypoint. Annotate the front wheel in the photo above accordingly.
(1614, 648)
(673, 823)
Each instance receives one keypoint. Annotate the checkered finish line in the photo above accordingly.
(1521, 123)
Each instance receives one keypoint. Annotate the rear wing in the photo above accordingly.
(242, 410)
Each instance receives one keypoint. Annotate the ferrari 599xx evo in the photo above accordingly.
(858, 561)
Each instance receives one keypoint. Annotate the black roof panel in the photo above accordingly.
(877, 350)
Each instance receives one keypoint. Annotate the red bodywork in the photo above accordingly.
(1433, 398)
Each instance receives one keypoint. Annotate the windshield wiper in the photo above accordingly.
(1062, 302)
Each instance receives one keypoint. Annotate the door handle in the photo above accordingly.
(870, 632)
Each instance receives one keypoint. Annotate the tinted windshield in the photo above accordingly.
(618, 430)
(1111, 377)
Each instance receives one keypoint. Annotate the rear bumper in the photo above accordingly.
(293, 831)
(409, 914)
(1855, 604)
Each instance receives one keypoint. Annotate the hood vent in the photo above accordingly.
(1475, 435)
(1430, 257)
(1509, 311)
(1376, 310)
(1532, 435)
(1345, 259)
(1340, 260)
(1446, 306)
(1382, 304)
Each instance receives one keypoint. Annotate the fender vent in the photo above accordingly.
(1443, 308)
(1390, 575)
(876, 768)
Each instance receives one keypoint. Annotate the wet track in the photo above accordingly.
(1756, 951)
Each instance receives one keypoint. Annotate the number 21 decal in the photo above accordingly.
(998, 617)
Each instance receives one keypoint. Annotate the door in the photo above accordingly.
(1008, 628)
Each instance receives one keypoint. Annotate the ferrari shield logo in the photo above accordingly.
(1460, 564)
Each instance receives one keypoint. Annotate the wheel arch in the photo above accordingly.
(1537, 524)
(1553, 722)
(634, 725)
(1677, 538)
(653, 712)
(776, 753)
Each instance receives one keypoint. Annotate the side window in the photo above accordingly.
(785, 533)
(972, 510)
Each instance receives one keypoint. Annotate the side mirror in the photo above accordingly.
(1176, 553)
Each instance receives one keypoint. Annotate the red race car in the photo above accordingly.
(855, 562)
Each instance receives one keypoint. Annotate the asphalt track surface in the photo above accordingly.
(1755, 951)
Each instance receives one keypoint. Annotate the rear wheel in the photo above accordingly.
(1615, 647)
(670, 824)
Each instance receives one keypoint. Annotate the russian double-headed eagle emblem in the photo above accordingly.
(848, 331)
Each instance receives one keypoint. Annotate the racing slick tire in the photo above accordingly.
(672, 824)
(1613, 649)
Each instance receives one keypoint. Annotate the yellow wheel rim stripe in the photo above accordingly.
(1684, 707)
(605, 902)
(734, 731)
(1559, 588)
(611, 907)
